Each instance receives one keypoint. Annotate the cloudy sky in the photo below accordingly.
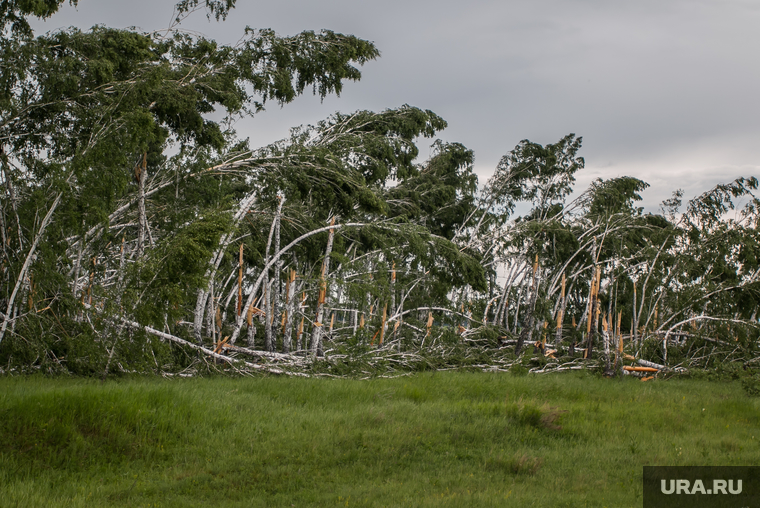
(665, 90)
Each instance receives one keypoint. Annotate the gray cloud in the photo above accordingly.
(664, 91)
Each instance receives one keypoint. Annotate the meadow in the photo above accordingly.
(432, 439)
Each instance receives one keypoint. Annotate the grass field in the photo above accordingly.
(442, 439)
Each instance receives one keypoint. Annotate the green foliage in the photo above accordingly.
(217, 8)
(540, 174)
(13, 14)
(616, 195)
(165, 285)
(751, 384)
(518, 370)
(441, 194)
(121, 140)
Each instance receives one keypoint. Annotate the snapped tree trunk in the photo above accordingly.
(257, 284)
(593, 313)
(317, 332)
(251, 328)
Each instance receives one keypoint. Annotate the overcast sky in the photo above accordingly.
(666, 90)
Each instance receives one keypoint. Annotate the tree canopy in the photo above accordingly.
(140, 232)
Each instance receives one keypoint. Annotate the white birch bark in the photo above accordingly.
(214, 263)
(393, 290)
(268, 342)
(317, 332)
(527, 331)
(290, 310)
(77, 266)
(12, 198)
(635, 319)
(27, 262)
(119, 291)
(3, 228)
(140, 175)
(251, 338)
(227, 359)
(257, 284)
(561, 316)
(276, 296)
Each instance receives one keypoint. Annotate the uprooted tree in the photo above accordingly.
(140, 235)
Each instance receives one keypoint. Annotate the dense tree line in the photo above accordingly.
(138, 234)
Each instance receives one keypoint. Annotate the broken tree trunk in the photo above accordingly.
(560, 316)
(317, 332)
(251, 339)
(593, 313)
(256, 285)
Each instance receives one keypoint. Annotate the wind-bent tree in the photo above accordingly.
(139, 233)
(88, 119)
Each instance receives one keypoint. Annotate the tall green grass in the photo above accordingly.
(443, 439)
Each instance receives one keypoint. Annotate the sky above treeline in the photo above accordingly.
(665, 91)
